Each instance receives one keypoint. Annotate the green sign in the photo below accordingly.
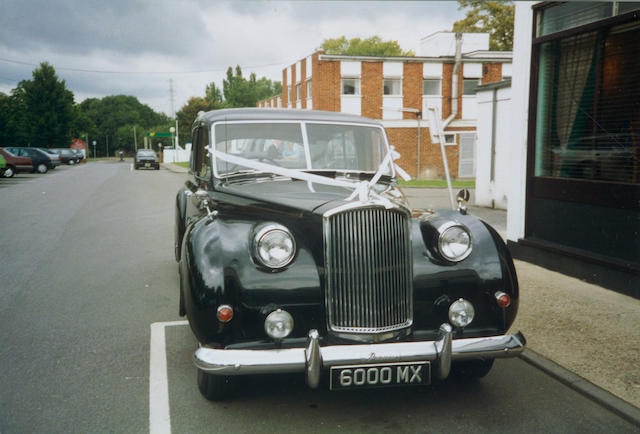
(159, 135)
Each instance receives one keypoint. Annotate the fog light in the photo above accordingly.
(279, 324)
(461, 313)
(225, 313)
(502, 299)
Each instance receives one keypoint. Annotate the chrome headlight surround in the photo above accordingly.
(274, 246)
(454, 242)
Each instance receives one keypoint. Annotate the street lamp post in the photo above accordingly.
(94, 149)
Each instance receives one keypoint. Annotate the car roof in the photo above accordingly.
(269, 114)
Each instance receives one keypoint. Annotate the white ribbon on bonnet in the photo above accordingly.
(363, 190)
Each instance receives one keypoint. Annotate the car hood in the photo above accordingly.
(302, 195)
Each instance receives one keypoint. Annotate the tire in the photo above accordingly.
(471, 369)
(135, 167)
(214, 387)
(9, 172)
(71, 162)
(42, 168)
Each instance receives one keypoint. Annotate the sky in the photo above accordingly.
(146, 47)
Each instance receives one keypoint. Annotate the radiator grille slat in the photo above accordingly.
(369, 282)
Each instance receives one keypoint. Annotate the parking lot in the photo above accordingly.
(92, 340)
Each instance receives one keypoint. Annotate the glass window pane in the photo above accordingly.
(573, 14)
(431, 86)
(469, 86)
(586, 123)
(350, 86)
(392, 86)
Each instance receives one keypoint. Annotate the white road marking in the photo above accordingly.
(159, 413)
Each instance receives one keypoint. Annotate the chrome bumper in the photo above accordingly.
(313, 358)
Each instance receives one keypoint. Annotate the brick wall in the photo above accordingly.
(411, 88)
(325, 83)
(303, 83)
(405, 141)
(371, 89)
(285, 88)
(491, 72)
(447, 74)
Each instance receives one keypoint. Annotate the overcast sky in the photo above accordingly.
(134, 47)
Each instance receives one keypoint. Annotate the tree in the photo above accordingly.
(373, 46)
(46, 108)
(493, 17)
(188, 113)
(213, 96)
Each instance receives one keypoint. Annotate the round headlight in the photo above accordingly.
(461, 313)
(278, 324)
(274, 246)
(454, 242)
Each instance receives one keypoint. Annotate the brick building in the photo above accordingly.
(399, 90)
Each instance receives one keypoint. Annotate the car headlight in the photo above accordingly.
(274, 246)
(454, 242)
(278, 324)
(461, 313)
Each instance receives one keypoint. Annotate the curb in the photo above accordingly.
(606, 399)
(173, 168)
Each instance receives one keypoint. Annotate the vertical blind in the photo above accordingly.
(588, 111)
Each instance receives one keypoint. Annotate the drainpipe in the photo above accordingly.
(454, 82)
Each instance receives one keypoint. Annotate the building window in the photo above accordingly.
(431, 86)
(350, 86)
(298, 93)
(469, 86)
(309, 88)
(392, 86)
(587, 124)
(450, 139)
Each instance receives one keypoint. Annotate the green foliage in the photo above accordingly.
(39, 112)
(240, 92)
(112, 120)
(493, 17)
(373, 46)
(188, 114)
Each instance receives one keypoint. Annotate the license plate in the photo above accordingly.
(380, 375)
(147, 164)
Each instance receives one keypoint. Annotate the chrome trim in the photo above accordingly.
(444, 228)
(376, 319)
(313, 358)
(261, 231)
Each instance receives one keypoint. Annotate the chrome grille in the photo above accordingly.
(368, 270)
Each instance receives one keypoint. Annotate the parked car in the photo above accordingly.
(15, 163)
(41, 160)
(79, 154)
(317, 265)
(55, 158)
(146, 158)
(3, 165)
(67, 155)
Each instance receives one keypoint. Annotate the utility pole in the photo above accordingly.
(135, 139)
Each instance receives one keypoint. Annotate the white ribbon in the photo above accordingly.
(363, 190)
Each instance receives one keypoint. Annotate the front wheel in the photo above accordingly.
(471, 369)
(42, 168)
(71, 162)
(214, 387)
(9, 171)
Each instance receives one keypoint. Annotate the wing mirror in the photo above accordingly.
(463, 198)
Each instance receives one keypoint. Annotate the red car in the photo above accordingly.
(16, 164)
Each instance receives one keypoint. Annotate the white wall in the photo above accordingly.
(519, 117)
(351, 104)
(177, 155)
(493, 193)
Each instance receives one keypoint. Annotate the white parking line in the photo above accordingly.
(159, 413)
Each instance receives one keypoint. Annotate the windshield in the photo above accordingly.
(146, 153)
(332, 147)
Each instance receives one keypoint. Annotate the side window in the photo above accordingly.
(204, 157)
(195, 162)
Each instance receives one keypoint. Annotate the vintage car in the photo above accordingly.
(298, 253)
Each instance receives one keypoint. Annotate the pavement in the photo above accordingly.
(584, 335)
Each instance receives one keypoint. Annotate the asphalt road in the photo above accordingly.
(87, 267)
